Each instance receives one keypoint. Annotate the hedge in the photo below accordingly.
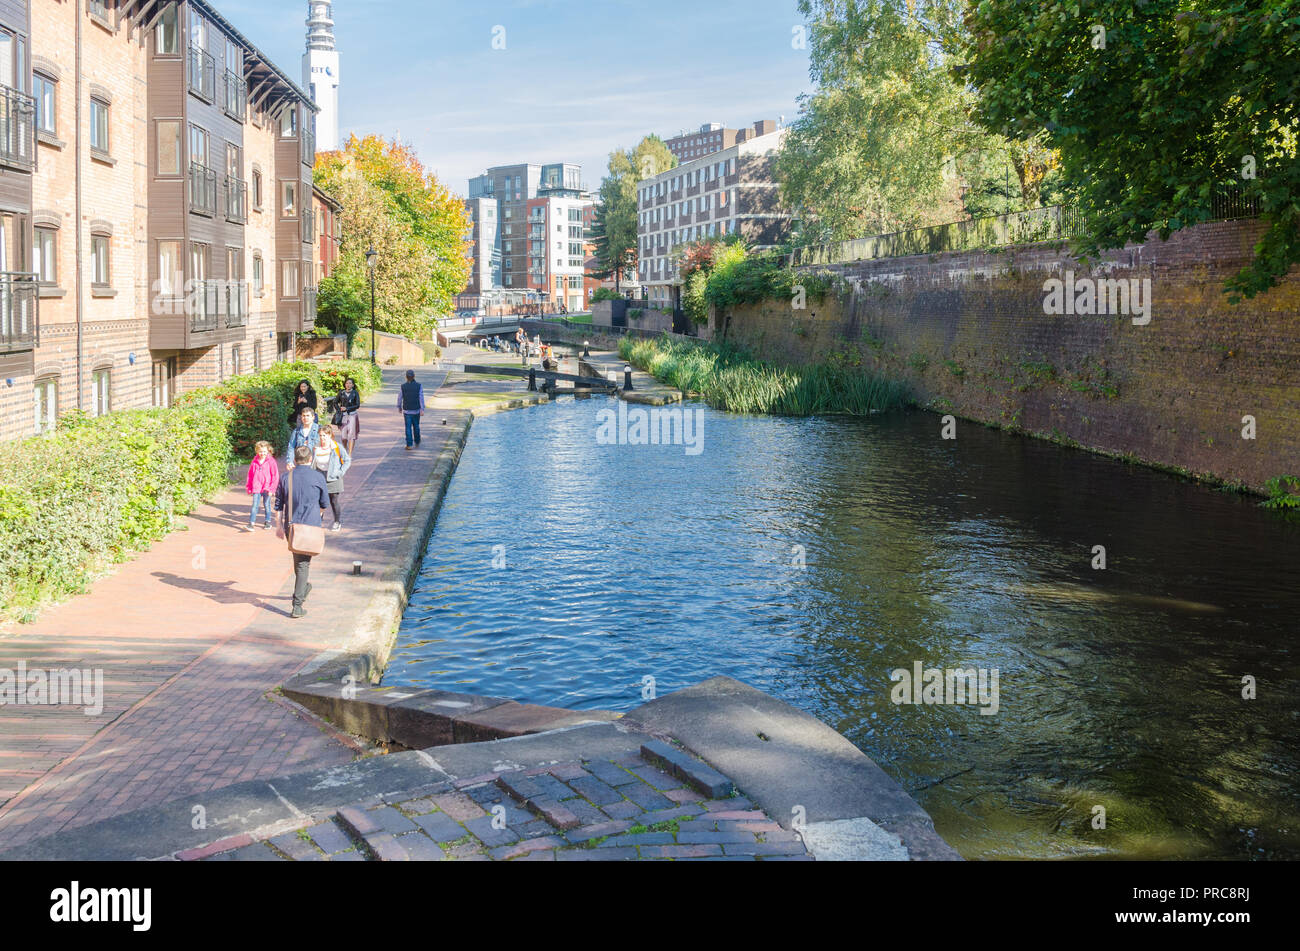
(78, 500)
(263, 401)
(75, 501)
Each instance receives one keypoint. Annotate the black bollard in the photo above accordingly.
(532, 379)
(627, 378)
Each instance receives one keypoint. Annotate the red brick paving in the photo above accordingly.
(191, 636)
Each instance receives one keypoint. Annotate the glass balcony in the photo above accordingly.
(17, 312)
(203, 190)
(236, 96)
(235, 294)
(17, 129)
(202, 304)
(236, 200)
(202, 74)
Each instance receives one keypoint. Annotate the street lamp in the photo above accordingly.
(371, 257)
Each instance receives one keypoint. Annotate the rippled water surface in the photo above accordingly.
(1119, 688)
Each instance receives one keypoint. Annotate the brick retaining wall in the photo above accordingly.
(969, 332)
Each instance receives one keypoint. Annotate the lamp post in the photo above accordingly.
(371, 256)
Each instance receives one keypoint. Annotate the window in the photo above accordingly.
(199, 146)
(289, 279)
(99, 126)
(101, 389)
(45, 93)
(45, 403)
(170, 277)
(289, 123)
(164, 373)
(288, 199)
(234, 360)
(198, 31)
(99, 271)
(257, 190)
(45, 256)
(258, 281)
(167, 33)
(169, 146)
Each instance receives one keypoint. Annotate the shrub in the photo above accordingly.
(82, 497)
(605, 293)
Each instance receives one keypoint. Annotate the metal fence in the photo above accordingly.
(201, 73)
(17, 129)
(18, 327)
(203, 189)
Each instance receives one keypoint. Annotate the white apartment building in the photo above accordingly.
(731, 191)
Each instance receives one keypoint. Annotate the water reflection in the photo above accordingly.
(811, 557)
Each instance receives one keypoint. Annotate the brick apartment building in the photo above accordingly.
(156, 206)
(729, 191)
(528, 233)
(712, 137)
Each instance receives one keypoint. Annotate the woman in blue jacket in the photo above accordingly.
(306, 434)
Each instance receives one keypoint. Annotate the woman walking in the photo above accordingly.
(349, 404)
(333, 461)
(307, 434)
(304, 397)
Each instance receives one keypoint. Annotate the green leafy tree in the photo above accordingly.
(1163, 111)
(614, 230)
(414, 223)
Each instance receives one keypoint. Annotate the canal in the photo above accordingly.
(812, 557)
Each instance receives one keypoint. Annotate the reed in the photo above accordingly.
(730, 379)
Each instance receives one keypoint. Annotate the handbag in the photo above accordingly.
(302, 539)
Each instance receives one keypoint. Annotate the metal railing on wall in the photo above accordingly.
(18, 327)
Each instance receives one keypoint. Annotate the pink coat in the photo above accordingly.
(263, 476)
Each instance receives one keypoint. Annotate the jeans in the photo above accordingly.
(301, 565)
(260, 499)
(412, 427)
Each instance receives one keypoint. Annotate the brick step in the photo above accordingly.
(697, 774)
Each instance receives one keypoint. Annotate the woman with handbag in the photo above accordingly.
(347, 419)
(304, 397)
(302, 497)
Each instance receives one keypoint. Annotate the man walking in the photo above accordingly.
(410, 400)
(310, 498)
(522, 340)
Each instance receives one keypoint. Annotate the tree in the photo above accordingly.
(413, 222)
(614, 229)
(1162, 110)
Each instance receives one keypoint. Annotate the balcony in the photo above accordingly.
(17, 312)
(202, 303)
(308, 307)
(308, 147)
(17, 129)
(203, 190)
(236, 200)
(236, 96)
(308, 226)
(202, 74)
(235, 299)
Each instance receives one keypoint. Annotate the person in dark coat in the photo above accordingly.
(410, 403)
(304, 394)
(348, 402)
(310, 499)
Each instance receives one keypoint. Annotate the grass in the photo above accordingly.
(730, 379)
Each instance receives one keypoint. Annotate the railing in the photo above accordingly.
(17, 312)
(235, 295)
(17, 129)
(236, 96)
(202, 74)
(202, 303)
(236, 200)
(308, 306)
(308, 226)
(308, 147)
(203, 189)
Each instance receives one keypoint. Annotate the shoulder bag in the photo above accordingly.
(302, 539)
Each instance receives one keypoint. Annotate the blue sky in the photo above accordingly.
(574, 81)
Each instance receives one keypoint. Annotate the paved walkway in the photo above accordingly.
(603, 810)
(191, 636)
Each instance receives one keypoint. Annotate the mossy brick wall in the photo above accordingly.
(967, 330)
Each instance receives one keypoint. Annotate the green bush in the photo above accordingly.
(83, 497)
(730, 379)
(605, 293)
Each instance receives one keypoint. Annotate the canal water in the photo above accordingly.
(813, 557)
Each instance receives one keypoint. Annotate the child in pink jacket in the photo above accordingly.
(263, 477)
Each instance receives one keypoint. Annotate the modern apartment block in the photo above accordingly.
(731, 191)
(156, 212)
(712, 137)
(528, 233)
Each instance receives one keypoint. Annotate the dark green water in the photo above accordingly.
(1118, 688)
